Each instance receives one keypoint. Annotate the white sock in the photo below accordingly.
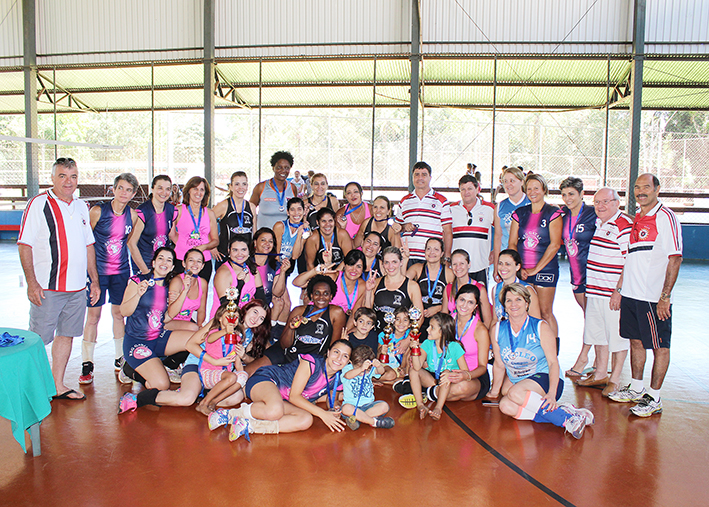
(532, 402)
(281, 323)
(636, 385)
(87, 351)
(525, 415)
(274, 322)
(655, 393)
(118, 344)
(246, 410)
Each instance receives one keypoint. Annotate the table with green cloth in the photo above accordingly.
(26, 386)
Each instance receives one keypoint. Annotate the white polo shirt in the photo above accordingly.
(430, 214)
(58, 233)
(474, 238)
(654, 238)
(606, 255)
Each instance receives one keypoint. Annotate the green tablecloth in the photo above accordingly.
(26, 383)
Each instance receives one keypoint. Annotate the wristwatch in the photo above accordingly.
(447, 260)
(617, 289)
(664, 296)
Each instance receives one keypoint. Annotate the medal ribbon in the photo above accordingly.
(280, 196)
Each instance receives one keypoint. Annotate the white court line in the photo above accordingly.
(59, 143)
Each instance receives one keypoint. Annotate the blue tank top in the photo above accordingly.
(269, 208)
(148, 319)
(287, 240)
(111, 233)
(522, 353)
(504, 211)
(576, 234)
(500, 311)
(155, 230)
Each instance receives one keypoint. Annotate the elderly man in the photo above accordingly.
(606, 258)
(472, 223)
(424, 214)
(650, 272)
(56, 249)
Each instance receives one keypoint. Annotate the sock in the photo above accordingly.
(147, 397)
(118, 344)
(525, 415)
(280, 323)
(636, 385)
(655, 393)
(263, 427)
(533, 403)
(432, 393)
(87, 351)
(246, 410)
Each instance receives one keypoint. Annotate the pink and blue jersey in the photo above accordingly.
(576, 234)
(155, 229)
(533, 236)
(283, 375)
(148, 319)
(111, 233)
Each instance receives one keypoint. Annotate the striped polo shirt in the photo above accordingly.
(471, 231)
(58, 233)
(430, 214)
(606, 255)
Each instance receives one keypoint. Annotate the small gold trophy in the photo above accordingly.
(387, 341)
(232, 293)
(415, 315)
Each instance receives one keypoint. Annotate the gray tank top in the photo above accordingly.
(269, 208)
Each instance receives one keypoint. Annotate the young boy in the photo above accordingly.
(365, 332)
(359, 403)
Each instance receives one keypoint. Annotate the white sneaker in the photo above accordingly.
(239, 427)
(626, 395)
(575, 425)
(218, 418)
(588, 415)
(647, 406)
(175, 375)
(123, 378)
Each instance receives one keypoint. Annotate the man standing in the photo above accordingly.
(472, 221)
(56, 248)
(112, 223)
(606, 258)
(424, 214)
(654, 258)
(271, 196)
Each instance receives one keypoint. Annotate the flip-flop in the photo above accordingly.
(572, 373)
(66, 396)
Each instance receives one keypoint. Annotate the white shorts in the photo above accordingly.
(603, 325)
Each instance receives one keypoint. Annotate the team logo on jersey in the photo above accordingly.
(572, 247)
(159, 242)
(154, 319)
(397, 300)
(83, 221)
(140, 352)
(114, 246)
(319, 328)
(643, 234)
(531, 240)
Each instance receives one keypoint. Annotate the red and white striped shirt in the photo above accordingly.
(430, 214)
(606, 255)
(471, 231)
(654, 238)
(58, 233)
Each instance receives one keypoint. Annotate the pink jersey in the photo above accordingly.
(186, 227)
(470, 344)
(343, 298)
(248, 289)
(190, 305)
(351, 227)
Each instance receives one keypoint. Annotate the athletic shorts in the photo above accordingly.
(254, 379)
(63, 312)
(115, 285)
(639, 321)
(545, 278)
(579, 289)
(543, 380)
(276, 354)
(139, 350)
(602, 325)
(484, 385)
(367, 406)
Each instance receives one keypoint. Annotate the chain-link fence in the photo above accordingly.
(347, 145)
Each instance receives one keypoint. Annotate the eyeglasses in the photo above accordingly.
(605, 202)
(470, 217)
(65, 161)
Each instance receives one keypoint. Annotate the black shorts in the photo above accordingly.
(276, 354)
(115, 285)
(480, 276)
(638, 321)
(484, 385)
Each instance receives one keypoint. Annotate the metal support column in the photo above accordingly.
(414, 91)
(493, 197)
(30, 71)
(209, 84)
(636, 104)
(605, 131)
(260, 130)
(374, 121)
(151, 163)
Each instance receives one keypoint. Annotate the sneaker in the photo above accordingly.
(626, 395)
(647, 406)
(402, 386)
(588, 415)
(575, 424)
(218, 418)
(87, 373)
(384, 422)
(351, 422)
(175, 375)
(408, 401)
(123, 378)
(118, 364)
(127, 403)
(239, 427)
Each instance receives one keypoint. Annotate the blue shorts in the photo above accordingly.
(545, 278)
(139, 350)
(579, 289)
(115, 285)
(254, 379)
(639, 321)
(543, 380)
(367, 406)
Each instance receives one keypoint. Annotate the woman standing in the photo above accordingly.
(321, 198)
(236, 215)
(382, 222)
(151, 230)
(196, 224)
(351, 217)
(272, 195)
(371, 248)
(536, 234)
(512, 179)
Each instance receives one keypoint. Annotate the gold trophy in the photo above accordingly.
(232, 293)
(387, 341)
(415, 315)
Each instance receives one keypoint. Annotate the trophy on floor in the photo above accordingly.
(387, 340)
(414, 316)
(232, 312)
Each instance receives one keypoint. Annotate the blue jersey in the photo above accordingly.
(504, 210)
(155, 230)
(148, 319)
(522, 353)
(111, 232)
(576, 235)
(500, 311)
(533, 236)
